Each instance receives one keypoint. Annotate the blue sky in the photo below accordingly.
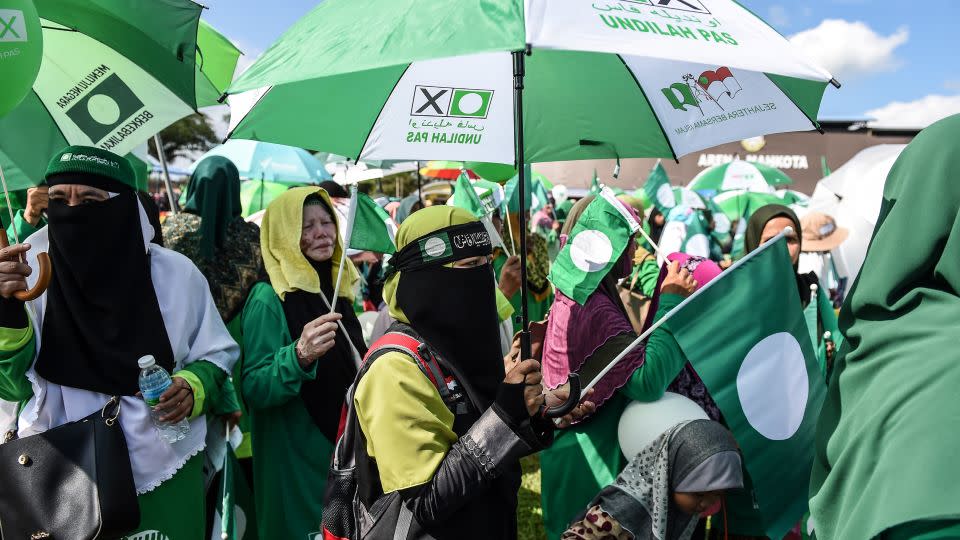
(894, 57)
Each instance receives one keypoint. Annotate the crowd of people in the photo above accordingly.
(259, 328)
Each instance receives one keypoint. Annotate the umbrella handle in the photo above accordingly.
(567, 406)
(43, 281)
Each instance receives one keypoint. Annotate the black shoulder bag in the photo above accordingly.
(70, 482)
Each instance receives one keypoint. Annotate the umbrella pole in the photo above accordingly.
(166, 173)
(518, 74)
(419, 184)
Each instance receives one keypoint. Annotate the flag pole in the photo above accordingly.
(642, 337)
(351, 216)
(656, 248)
(333, 306)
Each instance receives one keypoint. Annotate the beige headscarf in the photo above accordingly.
(287, 266)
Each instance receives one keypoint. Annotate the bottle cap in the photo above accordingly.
(146, 361)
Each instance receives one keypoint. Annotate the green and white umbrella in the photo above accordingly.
(272, 162)
(739, 175)
(603, 80)
(114, 73)
(459, 80)
(739, 203)
(680, 196)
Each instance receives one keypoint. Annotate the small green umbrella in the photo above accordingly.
(737, 175)
(114, 73)
(736, 203)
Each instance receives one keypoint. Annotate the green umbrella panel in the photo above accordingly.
(113, 74)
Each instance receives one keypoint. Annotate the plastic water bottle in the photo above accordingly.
(154, 381)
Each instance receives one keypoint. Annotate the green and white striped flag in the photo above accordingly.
(658, 189)
(754, 354)
(373, 228)
(594, 246)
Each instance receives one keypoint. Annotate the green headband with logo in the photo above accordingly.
(93, 167)
(443, 246)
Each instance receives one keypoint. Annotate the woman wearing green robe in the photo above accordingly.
(885, 460)
(587, 456)
(299, 360)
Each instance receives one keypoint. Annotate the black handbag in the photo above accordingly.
(70, 482)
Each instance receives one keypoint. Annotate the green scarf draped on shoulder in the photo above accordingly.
(886, 448)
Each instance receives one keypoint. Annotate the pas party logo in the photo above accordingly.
(13, 27)
(435, 247)
(104, 108)
(453, 102)
(680, 5)
(704, 92)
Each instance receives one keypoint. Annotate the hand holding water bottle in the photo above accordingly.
(176, 402)
(170, 399)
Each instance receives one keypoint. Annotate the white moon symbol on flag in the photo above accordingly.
(103, 109)
(666, 197)
(772, 386)
(591, 250)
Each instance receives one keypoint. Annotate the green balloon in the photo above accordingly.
(495, 172)
(21, 51)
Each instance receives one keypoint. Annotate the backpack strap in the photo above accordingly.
(419, 351)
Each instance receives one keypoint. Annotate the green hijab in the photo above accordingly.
(213, 193)
(887, 439)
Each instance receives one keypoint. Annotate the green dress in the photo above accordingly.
(585, 458)
(291, 456)
(885, 455)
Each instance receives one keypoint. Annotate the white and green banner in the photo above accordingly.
(602, 79)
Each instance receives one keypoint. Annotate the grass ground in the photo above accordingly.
(529, 514)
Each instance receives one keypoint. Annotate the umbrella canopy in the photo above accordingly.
(256, 195)
(273, 162)
(735, 204)
(794, 198)
(739, 175)
(604, 80)
(107, 81)
(352, 174)
(853, 194)
(446, 170)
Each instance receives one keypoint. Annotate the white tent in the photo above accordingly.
(852, 195)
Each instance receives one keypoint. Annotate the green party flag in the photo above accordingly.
(595, 186)
(825, 169)
(754, 354)
(466, 197)
(698, 238)
(235, 517)
(512, 192)
(373, 228)
(594, 246)
(658, 189)
(540, 195)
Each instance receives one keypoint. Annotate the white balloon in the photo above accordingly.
(642, 422)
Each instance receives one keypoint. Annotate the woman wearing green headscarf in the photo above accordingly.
(299, 360)
(766, 223)
(886, 449)
(453, 461)
(226, 249)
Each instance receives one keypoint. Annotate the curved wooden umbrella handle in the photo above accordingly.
(43, 280)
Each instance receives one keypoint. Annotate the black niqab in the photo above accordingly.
(101, 312)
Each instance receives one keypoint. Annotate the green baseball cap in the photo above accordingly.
(91, 166)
